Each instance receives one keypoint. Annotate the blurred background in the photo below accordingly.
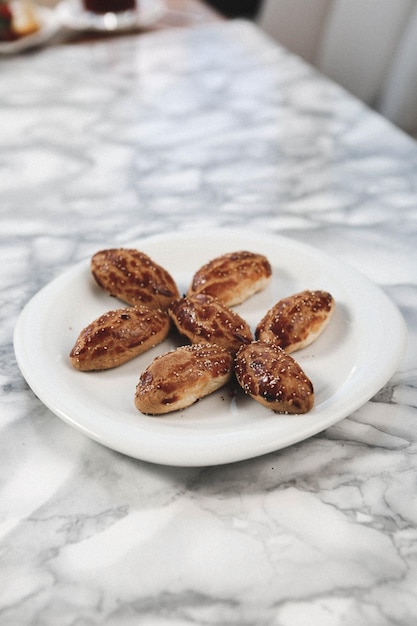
(367, 46)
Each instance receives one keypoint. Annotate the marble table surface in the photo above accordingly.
(184, 130)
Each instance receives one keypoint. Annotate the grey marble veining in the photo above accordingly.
(183, 130)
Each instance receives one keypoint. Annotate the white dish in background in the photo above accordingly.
(75, 17)
(355, 356)
(49, 26)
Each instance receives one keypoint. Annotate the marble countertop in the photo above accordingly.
(185, 130)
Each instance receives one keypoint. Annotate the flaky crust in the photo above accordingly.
(233, 277)
(118, 336)
(203, 319)
(273, 378)
(295, 322)
(133, 277)
(179, 378)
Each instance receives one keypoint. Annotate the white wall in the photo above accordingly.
(368, 46)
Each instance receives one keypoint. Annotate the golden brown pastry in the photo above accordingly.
(17, 19)
(233, 277)
(273, 378)
(118, 336)
(203, 319)
(133, 277)
(295, 322)
(179, 378)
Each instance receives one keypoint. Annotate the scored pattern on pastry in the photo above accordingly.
(202, 318)
(118, 336)
(232, 278)
(134, 277)
(179, 378)
(295, 322)
(273, 378)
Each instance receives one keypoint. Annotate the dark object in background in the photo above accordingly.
(109, 6)
(236, 8)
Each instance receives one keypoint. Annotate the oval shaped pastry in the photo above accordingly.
(118, 336)
(273, 378)
(202, 318)
(233, 277)
(134, 277)
(295, 322)
(179, 378)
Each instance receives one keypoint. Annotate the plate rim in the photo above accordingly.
(169, 435)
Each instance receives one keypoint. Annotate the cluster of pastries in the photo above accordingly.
(220, 343)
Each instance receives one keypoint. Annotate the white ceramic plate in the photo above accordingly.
(73, 16)
(348, 364)
(49, 26)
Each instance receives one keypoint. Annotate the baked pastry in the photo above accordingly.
(233, 277)
(179, 378)
(118, 336)
(17, 19)
(134, 277)
(295, 322)
(203, 319)
(273, 378)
